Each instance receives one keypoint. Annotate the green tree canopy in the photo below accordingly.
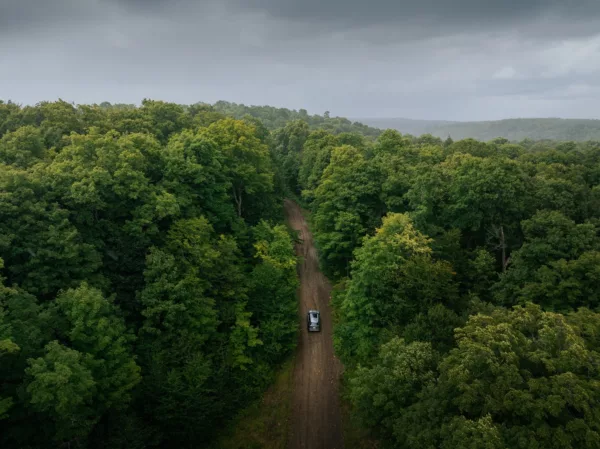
(394, 278)
(346, 207)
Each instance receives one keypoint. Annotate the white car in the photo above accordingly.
(313, 321)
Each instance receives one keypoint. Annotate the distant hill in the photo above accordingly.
(512, 129)
(274, 118)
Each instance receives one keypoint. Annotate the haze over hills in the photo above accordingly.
(513, 129)
(516, 129)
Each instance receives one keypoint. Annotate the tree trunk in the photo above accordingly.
(498, 239)
(505, 260)
(237, 196)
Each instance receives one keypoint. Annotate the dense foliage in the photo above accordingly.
(274, 118)
(148, 285)
(468, 286)
(147, 282)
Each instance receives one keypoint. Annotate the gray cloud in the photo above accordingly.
(23, 15)
(376, 12)
(464, 59)
(439, 16)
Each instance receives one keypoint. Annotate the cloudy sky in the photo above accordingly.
(430, 59)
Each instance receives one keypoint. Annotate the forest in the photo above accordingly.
(467, 286)
(149, 280)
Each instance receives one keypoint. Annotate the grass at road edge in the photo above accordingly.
(356, 436)
(265, 424)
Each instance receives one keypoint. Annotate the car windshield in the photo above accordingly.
(314, 317)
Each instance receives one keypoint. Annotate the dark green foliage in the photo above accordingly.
(316, 155)
(273, 291)
(74, 364)
(274, 118)
(399, 373)
(246, 163)
(23, 147)
(557, 266)
(517, 379)
(433, 357)
(528, 365)
(471, 193)
(61, 386)
(148, 287)
(288, 146)
(436, 326)
(346, 207)
(41, 247)
(394, 281)
(145, 301)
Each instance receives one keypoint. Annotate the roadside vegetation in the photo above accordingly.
(266, 423)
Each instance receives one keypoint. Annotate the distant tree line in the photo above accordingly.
(274, 118)
(515, 129)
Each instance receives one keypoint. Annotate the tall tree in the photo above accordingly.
(288, 144)
(346, 206)
(556, 266)
(394, 278)
(247, 161)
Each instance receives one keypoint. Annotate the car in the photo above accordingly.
(313, 321)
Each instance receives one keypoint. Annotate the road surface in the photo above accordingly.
(316, 416)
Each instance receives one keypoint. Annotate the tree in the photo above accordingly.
(7, 347)
(346, 206)
(398, 375)
(25, 328)
(436, 326)
(91, 372)
(272, 296)
(56, 120)
(165, 119)
(562, 188)
(96, 330)
(197, 332)
(315, 158)
(288, 144)
(43, 251)
(394, 279)
(177, 297)
(400, 162)
(427, 140)
(117, 220)
(463, 433)
(247, 161)
(23, 147)
(61, 386)
(111, 185)
(483, 197)
(472, 147)
(204, 114)
(194, 173)
(521, 369)
(518, 378)
(555, 267)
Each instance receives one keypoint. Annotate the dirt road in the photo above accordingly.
(316, 416)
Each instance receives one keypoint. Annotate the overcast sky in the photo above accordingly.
(430, 59)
